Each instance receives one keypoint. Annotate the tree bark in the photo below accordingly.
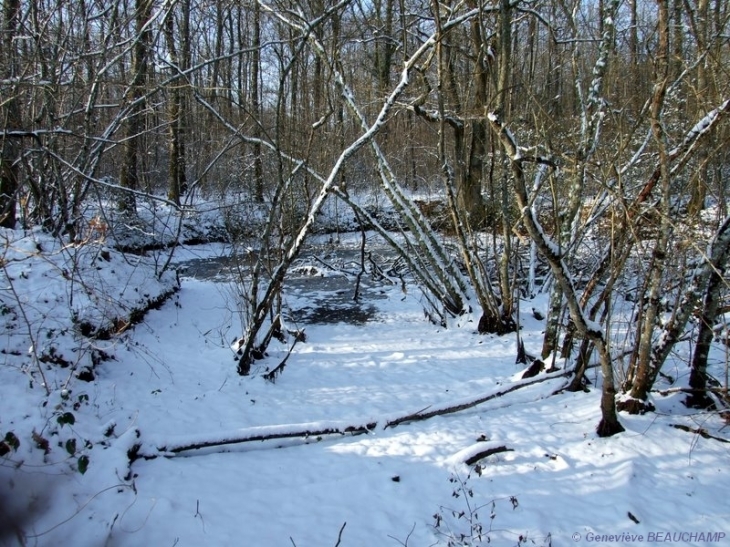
(700, 179)
(129, 176)
(698, 398)
(643, 377)
(10, 147)
(177, 179)
(255, 69)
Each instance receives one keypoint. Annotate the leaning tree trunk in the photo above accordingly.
(698, 397)
(609, 424)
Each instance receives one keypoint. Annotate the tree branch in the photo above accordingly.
(320, 429)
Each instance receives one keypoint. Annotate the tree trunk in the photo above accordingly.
(677, 38)
(609, 424)
(592, 114)
(258, 164)
(700, 178)
(644, 376)
(504, 105)
(177, 180)
(552, 321)
(129, 176)
(10, 147)
(710, 304)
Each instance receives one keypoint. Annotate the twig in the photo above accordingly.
(198, 514)
(339, 536)
(274, 374)
(405, 544)
(702, 432)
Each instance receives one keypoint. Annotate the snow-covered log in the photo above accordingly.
(315, 430)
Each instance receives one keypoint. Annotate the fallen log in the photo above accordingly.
(485, 453)
(443, 410)
(177, 445)
(264, 433)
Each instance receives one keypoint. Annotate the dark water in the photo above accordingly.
(320, 286)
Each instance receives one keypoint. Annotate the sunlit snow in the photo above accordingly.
(171, 381)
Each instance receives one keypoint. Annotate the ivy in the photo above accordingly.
(66, 418)
(82, 464)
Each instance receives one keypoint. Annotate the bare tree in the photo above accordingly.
(609, 424)
(135, 97)
(180, 60)
(272, 98)
(10, 112)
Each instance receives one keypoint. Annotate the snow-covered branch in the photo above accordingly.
(314, 430)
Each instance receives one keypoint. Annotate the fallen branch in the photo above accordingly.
(265, 433)
(719, 394)
(721, 391)
(474, 458)
(436, 410)
(336, 269)
(699, 431)
(321, 429)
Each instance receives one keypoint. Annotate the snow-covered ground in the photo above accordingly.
(171, 380)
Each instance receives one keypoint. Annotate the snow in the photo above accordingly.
(701, 126)
(171, 381)
(699, 129)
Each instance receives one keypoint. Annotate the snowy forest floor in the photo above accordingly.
(171, 380)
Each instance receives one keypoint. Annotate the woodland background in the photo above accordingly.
(574, 148)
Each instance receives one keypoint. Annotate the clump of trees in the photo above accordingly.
(588, 134)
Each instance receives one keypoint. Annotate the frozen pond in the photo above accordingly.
(319, 288)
